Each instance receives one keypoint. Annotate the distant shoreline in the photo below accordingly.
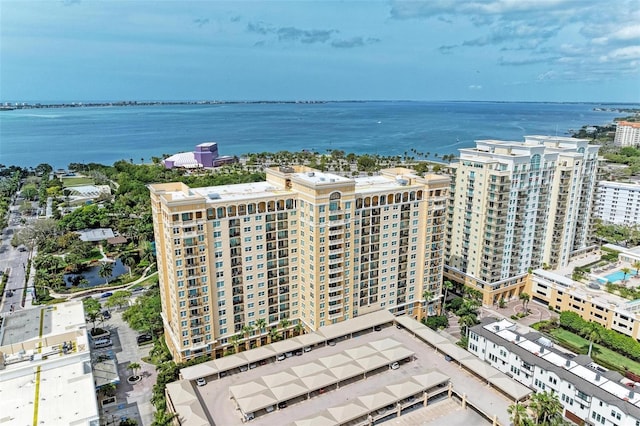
(9, 106)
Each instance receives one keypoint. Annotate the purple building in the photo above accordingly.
(205, 156)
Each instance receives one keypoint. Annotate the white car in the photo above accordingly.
(201, 381)
(394, 366)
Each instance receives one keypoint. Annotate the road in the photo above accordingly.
(12, 261)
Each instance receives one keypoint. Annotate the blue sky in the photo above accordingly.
(504, 50)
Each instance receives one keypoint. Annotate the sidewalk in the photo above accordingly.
(99, 289)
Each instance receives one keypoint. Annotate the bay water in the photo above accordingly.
(60, 136)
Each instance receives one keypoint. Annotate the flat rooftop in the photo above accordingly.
(65, 396)
(45, 367)
(217, 402)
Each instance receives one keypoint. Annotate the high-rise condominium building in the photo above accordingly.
(304, 246)
(627, 134)
(515, 206)
(618, 203)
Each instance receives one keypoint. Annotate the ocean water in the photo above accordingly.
(60, 136)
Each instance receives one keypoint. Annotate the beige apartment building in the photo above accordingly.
(627, 134)
(564, 294)
(304, 246)
(515, 206)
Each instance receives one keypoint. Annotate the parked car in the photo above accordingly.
(201, 381)
(280, 357)
(307, 348)
(377, 328)
(106, 314)
(144, 338)
(394, 366)
(331, 342)
(269, 409)
(282, 404)
(288, 354)
(106, 294)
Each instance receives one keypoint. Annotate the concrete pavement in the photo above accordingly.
(133, 400)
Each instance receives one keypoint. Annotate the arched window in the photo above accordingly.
(535, 162)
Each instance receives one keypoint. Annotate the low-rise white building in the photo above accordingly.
(618, 203)
(588, 392)
(45, 367)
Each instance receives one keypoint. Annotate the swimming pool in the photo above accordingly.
(618, 276)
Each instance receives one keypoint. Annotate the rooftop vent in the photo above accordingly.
(402, 181)
(496, 327)
(541, 349)
(567, 363)
(213, 196)
(632, 394)
(311, 174)
(517, 337)
(597, 377)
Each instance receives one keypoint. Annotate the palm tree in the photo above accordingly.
(546, 407)
(518, 414)
(626, 271)
(273, 334)
(163, 418)
(299, 328)
(447, 285)
(106, 269)
(134, 367)
(235, 341)
(592, 332)
(525, 300)
(246, 330)
(261, 324)
(636, 265)
(128, 259)
(284, 323)
(427, 295)
(466, 321)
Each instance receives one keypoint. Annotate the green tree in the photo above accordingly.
(447, 285)
(466, 322)
(162, 417)
(626, 271)
(134, 367)
(119, 299)
(518, 414)
(93, 310)
(235, 341)
(525, 300)
(436, 322)
(636, 265)
(299, 328)
(105, 271)
(261, 324)
(427, 295)
(546, 407)
(144, 315)
(593, 332)
(129, 259)
(284, 324)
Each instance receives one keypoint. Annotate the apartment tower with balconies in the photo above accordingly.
(242, 264)
(515, 206)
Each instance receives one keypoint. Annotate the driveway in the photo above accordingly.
(133, 400)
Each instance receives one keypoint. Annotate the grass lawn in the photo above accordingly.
(75, 181)
(600, 354)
